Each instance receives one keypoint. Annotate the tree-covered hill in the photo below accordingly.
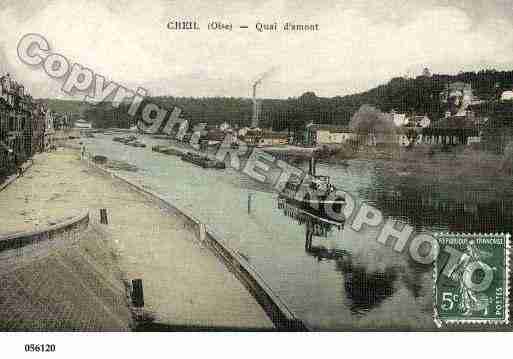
(420, 96)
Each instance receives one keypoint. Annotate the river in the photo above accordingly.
(371, 287)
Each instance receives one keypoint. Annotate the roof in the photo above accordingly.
(459, 85)
(454, 122)
(275, 135)
(216, 135)
(330, 128)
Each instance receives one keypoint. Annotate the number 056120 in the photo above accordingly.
(39, 347)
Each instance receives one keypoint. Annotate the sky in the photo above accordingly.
(360, 44)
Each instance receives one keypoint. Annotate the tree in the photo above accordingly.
(369, 120)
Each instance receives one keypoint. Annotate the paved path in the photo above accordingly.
(184, 283)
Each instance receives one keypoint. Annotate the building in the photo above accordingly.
(399, 119)
(458, 96)
(62, 121)
(507, 95)
(426, 74)
(318, 134)
(273, 139)
(252, 136)
(49, 130)
(243, 131)
(455, 130)
(215, 136)
(420, 121)
(22, 125)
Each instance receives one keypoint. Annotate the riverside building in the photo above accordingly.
(22, 125)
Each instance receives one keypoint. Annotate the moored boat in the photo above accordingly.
(167, 150)
(203, 161)
(125, 139)
(136, 144)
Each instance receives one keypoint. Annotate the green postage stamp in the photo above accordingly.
(471, 283)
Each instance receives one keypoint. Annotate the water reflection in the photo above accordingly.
(365, 290)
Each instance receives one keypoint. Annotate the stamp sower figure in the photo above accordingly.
(470, 300)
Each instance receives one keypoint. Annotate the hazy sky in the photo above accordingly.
(361, 43)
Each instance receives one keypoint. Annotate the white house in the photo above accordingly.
(329, 134)
(507, 96)
(422, 121)
(224, 126)
(399, 119)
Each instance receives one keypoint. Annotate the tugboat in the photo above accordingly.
(312, 197)
(307, 203)
(203, 161)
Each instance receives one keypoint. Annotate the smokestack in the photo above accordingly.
(254, 121)
(256, 104)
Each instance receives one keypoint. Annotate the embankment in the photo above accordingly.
(280, 315)
(78, 284)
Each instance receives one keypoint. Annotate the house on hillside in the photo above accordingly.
(458, 96)
(399, 119)
(420, 121)
(507, 95)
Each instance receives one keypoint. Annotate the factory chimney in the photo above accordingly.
(256, 103)
(256, 106)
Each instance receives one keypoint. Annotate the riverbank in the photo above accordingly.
(455, 164)
(452, 170)
(185, 284)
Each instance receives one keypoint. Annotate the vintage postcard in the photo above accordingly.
(260, 166)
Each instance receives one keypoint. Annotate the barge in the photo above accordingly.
(167, 150)
(136, 144)
(125, 139)
(203, 161)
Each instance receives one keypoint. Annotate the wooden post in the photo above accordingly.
(202, 232)
(249, 202)
(137, 293)
(103, 216)
(312, 166)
